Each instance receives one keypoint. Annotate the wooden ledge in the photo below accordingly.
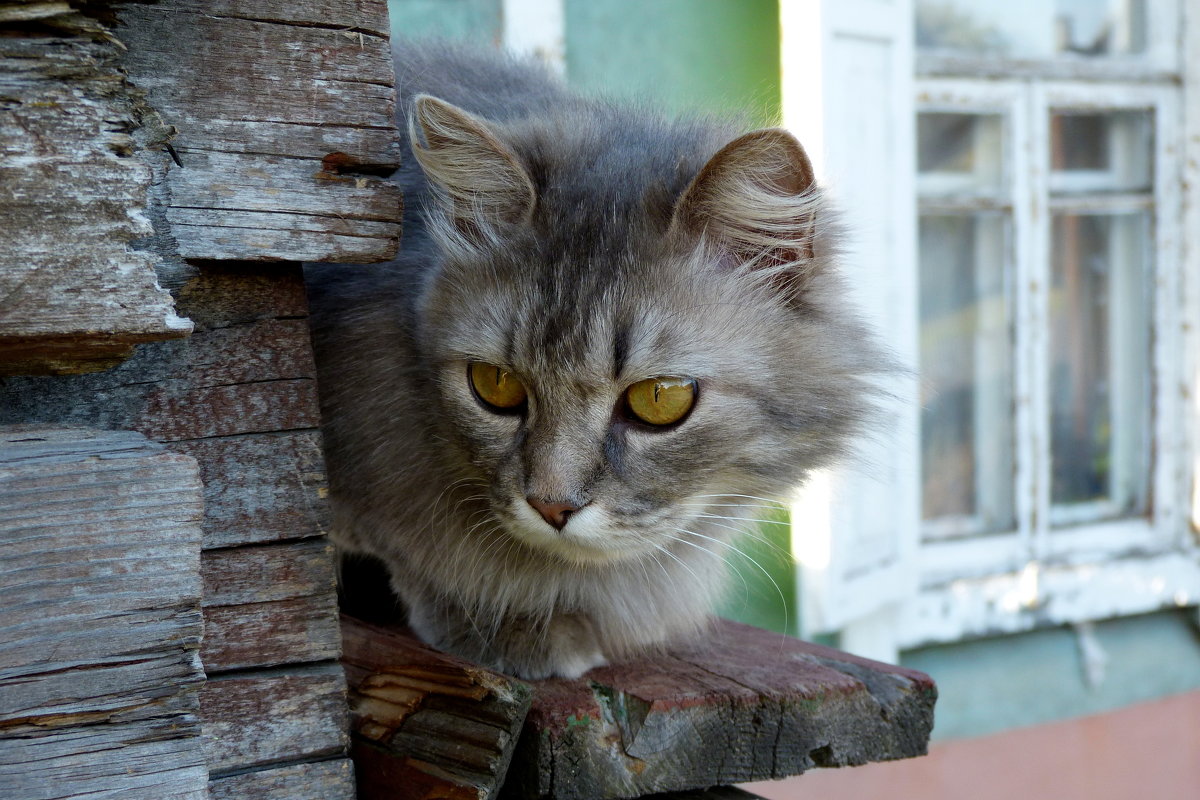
(744, 704)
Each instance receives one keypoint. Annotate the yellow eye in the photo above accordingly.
(661, 401)
(495, 386)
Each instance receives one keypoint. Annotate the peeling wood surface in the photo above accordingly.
(745, 704)
(73, 295)
(258, 181)
(427, 724)
(274, 717)
(99, 582)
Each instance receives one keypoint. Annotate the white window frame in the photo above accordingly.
(944, 590)
(1041, 574)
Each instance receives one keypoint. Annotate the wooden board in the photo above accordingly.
(744, 704)
(269, 605)
(99, 582)
(319, 780)
(74, 296)
(272, 717)
(276, 169)
(427, 724)
(239, 395)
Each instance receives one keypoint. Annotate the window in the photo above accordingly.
(1050, 333)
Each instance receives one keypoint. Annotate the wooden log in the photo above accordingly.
(74, 296)
(279, 169)
(318, 780)
(99, 582)
(274, 717)
(742, 705)
(427, 724)
(267, 606)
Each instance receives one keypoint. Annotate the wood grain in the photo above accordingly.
(278, 169)
(318, 780)
(744, 704)
(427, 724)
(265, 718)
(74, 296)
(99, 582)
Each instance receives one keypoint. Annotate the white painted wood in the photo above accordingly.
(538, 28)
(847, 85)
(1071, 565)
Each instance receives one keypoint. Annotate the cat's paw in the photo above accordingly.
(566, 648)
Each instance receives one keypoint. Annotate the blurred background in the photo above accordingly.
(1021, 180)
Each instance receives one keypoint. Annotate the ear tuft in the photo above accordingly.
(757, 201)
(483, 178)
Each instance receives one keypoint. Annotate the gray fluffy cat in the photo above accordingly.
(608, 338)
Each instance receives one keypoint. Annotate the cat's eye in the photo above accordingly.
(495, 386)
(661, 401)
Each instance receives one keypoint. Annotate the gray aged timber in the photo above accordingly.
(99, 636)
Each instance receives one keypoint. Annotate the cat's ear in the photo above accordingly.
(756, 199)
(483, 178)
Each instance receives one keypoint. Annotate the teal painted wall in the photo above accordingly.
(479, 20)
(711, 55)
(990, 685)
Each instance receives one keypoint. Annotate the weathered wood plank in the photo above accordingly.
(221, 396)
(427, 724)
(742, 705)
(99, 582)
(263, 718)
(320, 780)
(73, 295)
(269, 605)
(278, 170)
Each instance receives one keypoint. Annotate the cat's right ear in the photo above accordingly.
(483, 178)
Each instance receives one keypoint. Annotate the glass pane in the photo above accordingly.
(1100, 151)
(1032, 28)
(959, 153)
(966, 373)
(1100, 360)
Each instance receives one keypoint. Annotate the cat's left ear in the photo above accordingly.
(756, 199)
(484, 179)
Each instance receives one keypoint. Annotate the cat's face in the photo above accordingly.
(604, 414)
(607, 371)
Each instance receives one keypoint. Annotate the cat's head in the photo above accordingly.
(618, 352)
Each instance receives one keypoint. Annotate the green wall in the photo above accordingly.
(710, 55)
(480, 20)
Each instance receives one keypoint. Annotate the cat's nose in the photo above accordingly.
(554, 513)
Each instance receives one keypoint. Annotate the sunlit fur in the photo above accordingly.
(584, 256)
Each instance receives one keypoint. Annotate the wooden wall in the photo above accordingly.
(165, 168)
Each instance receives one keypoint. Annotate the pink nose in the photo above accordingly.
(554, 513)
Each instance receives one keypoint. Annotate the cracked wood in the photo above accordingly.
(99, 581)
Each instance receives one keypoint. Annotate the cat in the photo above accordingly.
(609, 338)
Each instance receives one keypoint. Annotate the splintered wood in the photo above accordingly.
(427, 724)
(743, 704)
(73, 295)
(114, 518)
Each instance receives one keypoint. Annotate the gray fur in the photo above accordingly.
(598, 284)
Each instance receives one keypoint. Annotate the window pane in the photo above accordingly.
(959, 153)
(1032, 28)
(966, 373)
(1097, 152)
(1100, 365)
